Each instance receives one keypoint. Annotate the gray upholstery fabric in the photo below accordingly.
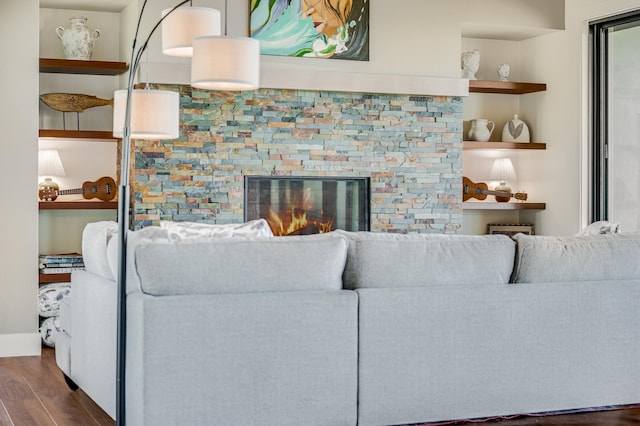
(438, 354)
(93, 342)
(578, 258)
(276, 359)
(63, 352)
(230, 265)
(65, 315)
(377, 260)
(63, 340)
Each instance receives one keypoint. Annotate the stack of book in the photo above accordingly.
(60, 263)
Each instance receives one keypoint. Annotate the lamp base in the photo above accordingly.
(503, 188)
(48, 190)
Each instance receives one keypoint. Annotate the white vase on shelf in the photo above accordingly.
(78, 39)
(480, 130)
(515, 130)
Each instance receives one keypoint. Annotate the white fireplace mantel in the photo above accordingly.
(278, 76)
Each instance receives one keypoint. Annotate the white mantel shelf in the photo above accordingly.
(339, 81)
(280, 76)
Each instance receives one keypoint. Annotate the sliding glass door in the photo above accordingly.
(615, 171)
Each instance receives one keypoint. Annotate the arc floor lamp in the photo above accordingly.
(218, 63)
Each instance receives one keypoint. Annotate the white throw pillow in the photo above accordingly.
(49, 331)
(49, 298)
(600, 227)
(179, 231)
(95, 239)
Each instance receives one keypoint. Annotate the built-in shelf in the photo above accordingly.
(71, 66)
(505, 87)
(471, 145)
(54, 278)
(78, 134)
(78, 205)
(515, 205)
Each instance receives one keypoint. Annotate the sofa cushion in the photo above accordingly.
(95, 239)
(184, 230)
(577, 258)
(378, 260)
(234, 265)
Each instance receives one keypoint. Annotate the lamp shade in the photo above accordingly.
(49, 163)
(155, 114)
(225, 63)
(183, 25)
(502, 170)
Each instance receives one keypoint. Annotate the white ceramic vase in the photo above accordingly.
(77, 40)
(481, 129)
(515, 130)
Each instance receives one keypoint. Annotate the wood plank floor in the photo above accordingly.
(33, 393)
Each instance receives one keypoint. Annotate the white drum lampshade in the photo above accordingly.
(225, 63)
(183, 25)
(155, 114)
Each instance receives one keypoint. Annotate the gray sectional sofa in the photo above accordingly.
(355, 328)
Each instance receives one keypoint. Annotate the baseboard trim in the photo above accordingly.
(24, 344)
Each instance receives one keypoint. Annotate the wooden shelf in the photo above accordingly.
(54, 278)
(70, 66)
(505, 87)
(78, 134)
(78, 205)
(471, 145)
(516, 205)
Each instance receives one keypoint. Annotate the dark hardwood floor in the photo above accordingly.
(33, 393)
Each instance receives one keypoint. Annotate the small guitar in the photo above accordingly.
(103, 189)
(480, 191)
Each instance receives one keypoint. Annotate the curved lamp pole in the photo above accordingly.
(124, 216)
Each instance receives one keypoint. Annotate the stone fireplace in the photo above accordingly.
(408, 147)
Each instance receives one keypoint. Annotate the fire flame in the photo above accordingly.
(294, 220)
(299, 218)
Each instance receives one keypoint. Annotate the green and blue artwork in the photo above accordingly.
(337, 29)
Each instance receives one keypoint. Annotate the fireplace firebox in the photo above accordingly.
(308, 205)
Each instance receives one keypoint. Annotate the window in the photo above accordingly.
(615, 155)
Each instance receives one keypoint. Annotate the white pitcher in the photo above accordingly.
(77, 40)
(481, 129)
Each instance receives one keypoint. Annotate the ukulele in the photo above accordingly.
(480, 191)
(104, 189)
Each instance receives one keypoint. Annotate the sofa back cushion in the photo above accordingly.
(378, 260)
(578, 258)
(238, 265)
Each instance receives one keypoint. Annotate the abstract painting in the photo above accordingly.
(336, 29)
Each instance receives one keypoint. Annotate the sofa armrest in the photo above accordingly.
(93, 305)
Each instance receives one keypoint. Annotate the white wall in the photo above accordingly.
(560, 173)
(408, 37)
(18, 150)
